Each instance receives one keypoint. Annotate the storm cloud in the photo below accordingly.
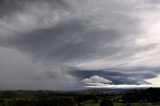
(62, 44)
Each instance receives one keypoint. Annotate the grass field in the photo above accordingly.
(91, 103)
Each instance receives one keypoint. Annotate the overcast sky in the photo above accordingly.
(78, 44)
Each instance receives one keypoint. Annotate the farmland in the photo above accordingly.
(140, 97)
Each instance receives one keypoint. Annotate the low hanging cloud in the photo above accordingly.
(91, 77)
(44, 43)
(96, 79)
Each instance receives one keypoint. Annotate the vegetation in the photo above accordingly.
(148, 97)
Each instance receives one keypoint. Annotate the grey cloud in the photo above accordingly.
(154, 1)
(18, 71)
(63, 33)
(68, 41)
(136, 70)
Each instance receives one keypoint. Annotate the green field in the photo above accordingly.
(91, 103)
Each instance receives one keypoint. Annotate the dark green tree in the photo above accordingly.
(106, 102)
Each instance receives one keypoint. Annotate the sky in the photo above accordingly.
(79, 44)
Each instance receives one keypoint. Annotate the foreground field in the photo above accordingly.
(91, 103)
(140, 97)
(137, 104)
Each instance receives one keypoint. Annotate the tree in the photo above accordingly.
(106, 102)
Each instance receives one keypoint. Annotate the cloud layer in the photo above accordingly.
(49, 44)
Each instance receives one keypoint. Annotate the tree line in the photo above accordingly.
(50, 98)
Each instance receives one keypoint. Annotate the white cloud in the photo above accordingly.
(118, 86)
(154, 81)
(96, 79)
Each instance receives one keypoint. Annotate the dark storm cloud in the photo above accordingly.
(12, 6)
(117, 78)
(39, 42)
(63, 41)
(71, 40)
(49, 36)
